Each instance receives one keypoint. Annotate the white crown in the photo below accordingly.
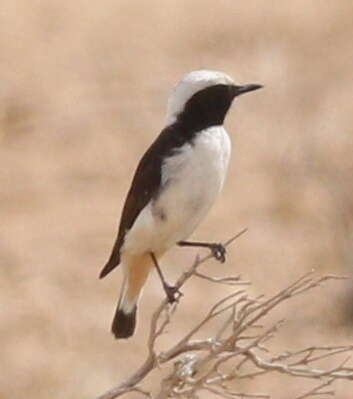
(191, 84)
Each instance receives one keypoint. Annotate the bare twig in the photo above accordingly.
(232, 353)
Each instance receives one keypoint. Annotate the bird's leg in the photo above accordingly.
(218, 250)
(172, 292)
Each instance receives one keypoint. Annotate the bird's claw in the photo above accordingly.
(173, 293)
(219, 252)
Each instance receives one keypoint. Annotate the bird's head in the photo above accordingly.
(202, 98)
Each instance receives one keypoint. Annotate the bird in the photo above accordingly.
(175, 184)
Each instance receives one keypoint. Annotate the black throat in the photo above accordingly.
(206, 108)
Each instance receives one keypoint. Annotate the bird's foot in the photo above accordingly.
(173, 293)
(219, 252)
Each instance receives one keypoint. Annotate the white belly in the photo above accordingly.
(191, 179)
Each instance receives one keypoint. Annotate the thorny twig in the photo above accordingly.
(233, 352)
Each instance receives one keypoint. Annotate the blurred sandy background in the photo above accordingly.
(83, 90)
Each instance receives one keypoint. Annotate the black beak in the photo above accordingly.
(238, 90)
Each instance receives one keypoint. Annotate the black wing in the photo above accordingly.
(145, 186)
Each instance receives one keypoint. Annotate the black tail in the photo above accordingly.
(124, 323)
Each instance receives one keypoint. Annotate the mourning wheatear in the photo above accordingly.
(176, 182)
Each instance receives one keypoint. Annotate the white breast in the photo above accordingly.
(191, 179)
(196, 172)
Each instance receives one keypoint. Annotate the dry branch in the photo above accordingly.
(211, 365)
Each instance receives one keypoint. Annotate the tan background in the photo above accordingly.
(83, 89)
